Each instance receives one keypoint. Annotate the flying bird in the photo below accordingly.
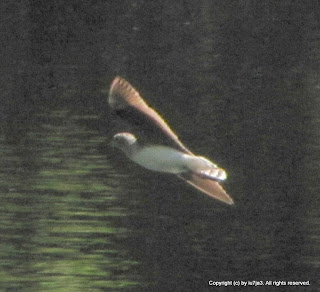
(196, 170)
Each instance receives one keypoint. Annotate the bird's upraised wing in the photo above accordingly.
(123, 97)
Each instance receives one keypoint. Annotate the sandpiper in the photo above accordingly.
(196, 170)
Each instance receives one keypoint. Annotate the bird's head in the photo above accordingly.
(125, 141)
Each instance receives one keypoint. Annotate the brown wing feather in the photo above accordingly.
(209, 187)
(123, 95)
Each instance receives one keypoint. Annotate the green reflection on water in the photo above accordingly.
(59, 216)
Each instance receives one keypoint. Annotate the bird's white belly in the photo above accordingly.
(161, 158)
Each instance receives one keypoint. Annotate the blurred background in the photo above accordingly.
(238, 80)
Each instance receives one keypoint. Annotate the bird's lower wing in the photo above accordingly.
(208, 186)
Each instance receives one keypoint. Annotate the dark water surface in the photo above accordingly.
(239, 81)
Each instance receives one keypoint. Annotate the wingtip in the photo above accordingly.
(210, 187)
(115, 82)
(226, 199)
(229, 201)
(120, 84)
(122, 94)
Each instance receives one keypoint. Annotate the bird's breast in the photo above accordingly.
(161, 158)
